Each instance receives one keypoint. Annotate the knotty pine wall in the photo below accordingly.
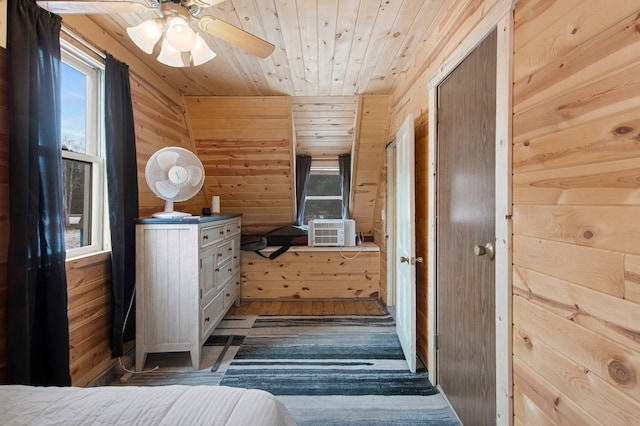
(247, 149)
(576, 216)
(576, 195)
(368, 161)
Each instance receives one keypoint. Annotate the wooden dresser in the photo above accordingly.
(187, 278)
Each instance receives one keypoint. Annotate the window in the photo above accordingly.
(324, 192)
(82, 152)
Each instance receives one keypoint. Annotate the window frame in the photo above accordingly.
(94, 148)
(322, 168)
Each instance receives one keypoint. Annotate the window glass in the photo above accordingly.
(324, 196)
(77, 206)
(74, 109)
(82, 152)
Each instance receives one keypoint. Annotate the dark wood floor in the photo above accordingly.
(316, 307)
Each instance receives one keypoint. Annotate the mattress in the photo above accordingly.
(132, 405)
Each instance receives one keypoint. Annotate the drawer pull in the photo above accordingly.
(205, 237)
(207, 319)
(219, 254)
(222, 232)
(229, 249)
(217, 269)
(230, 270)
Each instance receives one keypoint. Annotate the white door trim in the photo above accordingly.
(501, 18)
(391, 224)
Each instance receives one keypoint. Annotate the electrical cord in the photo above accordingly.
(136, 372)
(360, 243)
(124, 324)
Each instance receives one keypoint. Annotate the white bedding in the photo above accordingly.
(131, 405)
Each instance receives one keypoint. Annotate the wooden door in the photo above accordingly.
(465, 211)
(405, 241)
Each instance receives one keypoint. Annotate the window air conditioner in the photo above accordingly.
(332, 232)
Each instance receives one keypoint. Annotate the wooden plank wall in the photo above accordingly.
(368, 161)
(89, 298)
(311, 275)
(4, 207)
(246, 147)
(380, 226)
(576, 195)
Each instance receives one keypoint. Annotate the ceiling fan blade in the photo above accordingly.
(236, 36)
(95, 6)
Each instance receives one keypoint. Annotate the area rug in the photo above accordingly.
(331, 370)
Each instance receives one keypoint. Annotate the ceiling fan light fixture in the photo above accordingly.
(180, 35)
(170, 56)
(201, 53)
(146, 35)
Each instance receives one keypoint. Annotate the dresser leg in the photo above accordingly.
(195, 358)
(141, 359)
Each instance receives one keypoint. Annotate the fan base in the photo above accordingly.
(171, 215)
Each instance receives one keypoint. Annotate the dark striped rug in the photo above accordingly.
(332, 370)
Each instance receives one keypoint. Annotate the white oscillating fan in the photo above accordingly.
(174, 174)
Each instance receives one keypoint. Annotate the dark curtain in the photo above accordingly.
(122, 186)
(344, 163)
(303, 169)
(37, 324)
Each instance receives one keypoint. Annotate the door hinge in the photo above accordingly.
(200, 293)
(435, 341)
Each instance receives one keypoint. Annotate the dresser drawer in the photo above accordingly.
(211, 235)
(232, 228)
(223, 273)
(231, 292)
(211, 314)
(225, 252)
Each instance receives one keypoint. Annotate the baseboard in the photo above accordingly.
(116, 371)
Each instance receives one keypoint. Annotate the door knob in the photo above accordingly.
(404, 259)
(486, 249)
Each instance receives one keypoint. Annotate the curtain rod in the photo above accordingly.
(82, 41)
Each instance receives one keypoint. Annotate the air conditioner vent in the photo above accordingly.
(332, 232)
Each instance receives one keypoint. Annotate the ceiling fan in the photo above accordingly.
(182, 45)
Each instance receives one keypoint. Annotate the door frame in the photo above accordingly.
(391, 223)
(499, 17)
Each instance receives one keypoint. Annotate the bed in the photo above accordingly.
(132, 405)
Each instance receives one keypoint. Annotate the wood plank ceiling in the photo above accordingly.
(323, 48)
